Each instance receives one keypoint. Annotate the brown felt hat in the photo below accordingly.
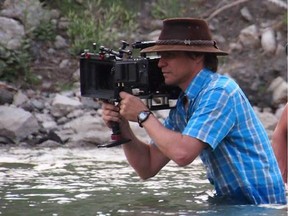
(185, 34)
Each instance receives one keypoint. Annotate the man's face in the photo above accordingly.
(177, 68)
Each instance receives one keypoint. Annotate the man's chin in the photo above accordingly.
(169, 83)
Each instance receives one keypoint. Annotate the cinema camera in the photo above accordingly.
(106, 72)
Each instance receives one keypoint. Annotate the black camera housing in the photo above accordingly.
(104, 74)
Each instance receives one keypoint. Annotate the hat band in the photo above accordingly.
(188, 42)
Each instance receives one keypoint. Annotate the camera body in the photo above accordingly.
(105, 73)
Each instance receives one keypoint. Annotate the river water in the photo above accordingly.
(99, 182)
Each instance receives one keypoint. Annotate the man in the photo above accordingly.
(212, 119)
(279, 143)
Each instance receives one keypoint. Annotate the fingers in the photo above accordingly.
(127, 103)
(110, 113)
(124, 94)
(130, 106)
(109, 106)
(128, 109)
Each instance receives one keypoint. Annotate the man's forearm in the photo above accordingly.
(136, 152)
(179, 148)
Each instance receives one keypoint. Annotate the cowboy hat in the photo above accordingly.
(185, 34)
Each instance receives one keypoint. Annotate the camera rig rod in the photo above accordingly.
(121, 52)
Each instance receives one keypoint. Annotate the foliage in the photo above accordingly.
(97, 21)
(170, 8)
(103, 26)
(45, 31)
(15, 64)
(65, 86)
(65, 6)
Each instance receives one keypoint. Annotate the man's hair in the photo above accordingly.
(210, 60)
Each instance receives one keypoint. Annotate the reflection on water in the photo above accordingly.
(91, 181)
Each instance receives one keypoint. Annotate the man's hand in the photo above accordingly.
(131, 106)
(110, 114)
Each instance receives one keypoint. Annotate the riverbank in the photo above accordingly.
(54, 119)
(35, 38)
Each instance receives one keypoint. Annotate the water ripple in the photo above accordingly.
(63, 181)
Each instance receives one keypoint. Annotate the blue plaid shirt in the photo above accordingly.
(240, 161)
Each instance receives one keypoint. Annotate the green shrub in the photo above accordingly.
(171, 8)
(101, 22)
(46, 31)
(15, 64)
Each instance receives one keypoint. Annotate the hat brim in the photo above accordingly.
(165, 48)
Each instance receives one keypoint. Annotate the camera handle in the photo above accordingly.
(115, 137)
(116, 132)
